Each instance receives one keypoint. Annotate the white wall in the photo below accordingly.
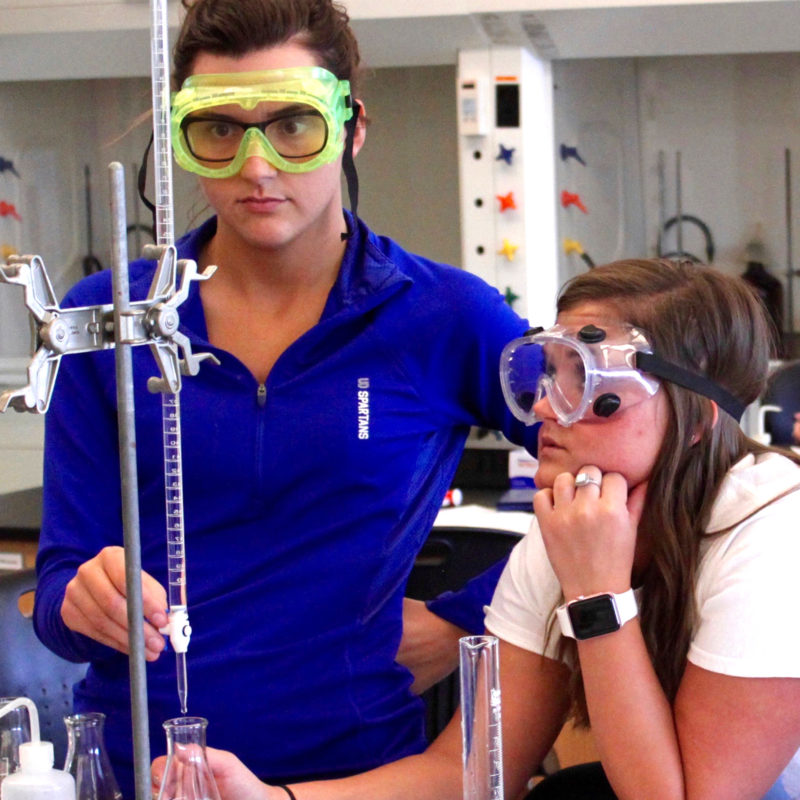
(51, 130)
(21, 446)
(408, 167)
(730, 117)
(596, 111)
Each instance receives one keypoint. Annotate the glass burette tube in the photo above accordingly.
(179, 628)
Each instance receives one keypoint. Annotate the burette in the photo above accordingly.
(178, 628)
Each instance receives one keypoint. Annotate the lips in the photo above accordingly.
(545, 440)
(261, 203)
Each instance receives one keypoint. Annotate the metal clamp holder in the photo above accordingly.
(56, 332)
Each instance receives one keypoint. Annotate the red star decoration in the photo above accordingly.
(506, 201)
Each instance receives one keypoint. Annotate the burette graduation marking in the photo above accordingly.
(174, 489)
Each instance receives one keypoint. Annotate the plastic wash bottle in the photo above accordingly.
(36, 779)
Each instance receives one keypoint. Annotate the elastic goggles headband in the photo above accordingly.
(299, 128)
(592, 370)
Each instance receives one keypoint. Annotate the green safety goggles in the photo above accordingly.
(293, 118)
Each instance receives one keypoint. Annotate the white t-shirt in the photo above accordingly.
(745, 590)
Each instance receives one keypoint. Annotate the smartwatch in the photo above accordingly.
(596, 614)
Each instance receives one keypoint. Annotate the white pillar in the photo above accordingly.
(505, 108)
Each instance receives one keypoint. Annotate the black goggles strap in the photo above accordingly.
(649, 362)
(349, 166)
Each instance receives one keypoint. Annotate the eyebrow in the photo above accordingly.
(565, 350)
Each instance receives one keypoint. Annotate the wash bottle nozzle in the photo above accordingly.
(33, 714)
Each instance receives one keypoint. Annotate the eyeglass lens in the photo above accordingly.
(297, 133)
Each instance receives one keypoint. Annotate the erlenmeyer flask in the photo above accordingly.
(15, 728)
(187, 775)
(87, 760)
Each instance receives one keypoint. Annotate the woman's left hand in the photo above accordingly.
(590, 531)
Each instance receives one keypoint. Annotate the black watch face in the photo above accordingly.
(593, 616)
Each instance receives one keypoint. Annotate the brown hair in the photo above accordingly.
(712, 324)
(237, 27)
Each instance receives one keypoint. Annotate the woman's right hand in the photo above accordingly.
(95, 604)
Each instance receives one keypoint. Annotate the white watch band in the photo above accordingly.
(624, 604)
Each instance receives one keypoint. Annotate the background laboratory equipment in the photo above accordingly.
(87, 760)
(187, 775)
(481, 731)
(14, 730)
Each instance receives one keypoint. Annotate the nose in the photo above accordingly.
(256, 163)
(257, 168)
(542, 407)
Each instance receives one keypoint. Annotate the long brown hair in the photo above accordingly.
(237, 27)
(712, 324)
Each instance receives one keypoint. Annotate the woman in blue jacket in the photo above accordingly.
(316, 453)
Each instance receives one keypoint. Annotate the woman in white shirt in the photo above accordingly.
(654, 595)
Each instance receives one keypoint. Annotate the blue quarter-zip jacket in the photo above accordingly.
(306, 501)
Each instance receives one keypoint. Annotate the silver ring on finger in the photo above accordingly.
(585, 479)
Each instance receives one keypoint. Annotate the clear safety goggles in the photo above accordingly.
(293, 118)
(592, 371)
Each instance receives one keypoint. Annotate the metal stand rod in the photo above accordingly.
(129, 485)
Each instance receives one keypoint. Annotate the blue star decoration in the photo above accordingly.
(505, 154)
(510, 296)
(7, 166)
(571, 152)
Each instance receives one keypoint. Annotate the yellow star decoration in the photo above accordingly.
(573, 246)
(7, 250)
(508, 250)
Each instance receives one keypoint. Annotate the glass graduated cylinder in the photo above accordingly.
(187, 775)
(481, 729)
